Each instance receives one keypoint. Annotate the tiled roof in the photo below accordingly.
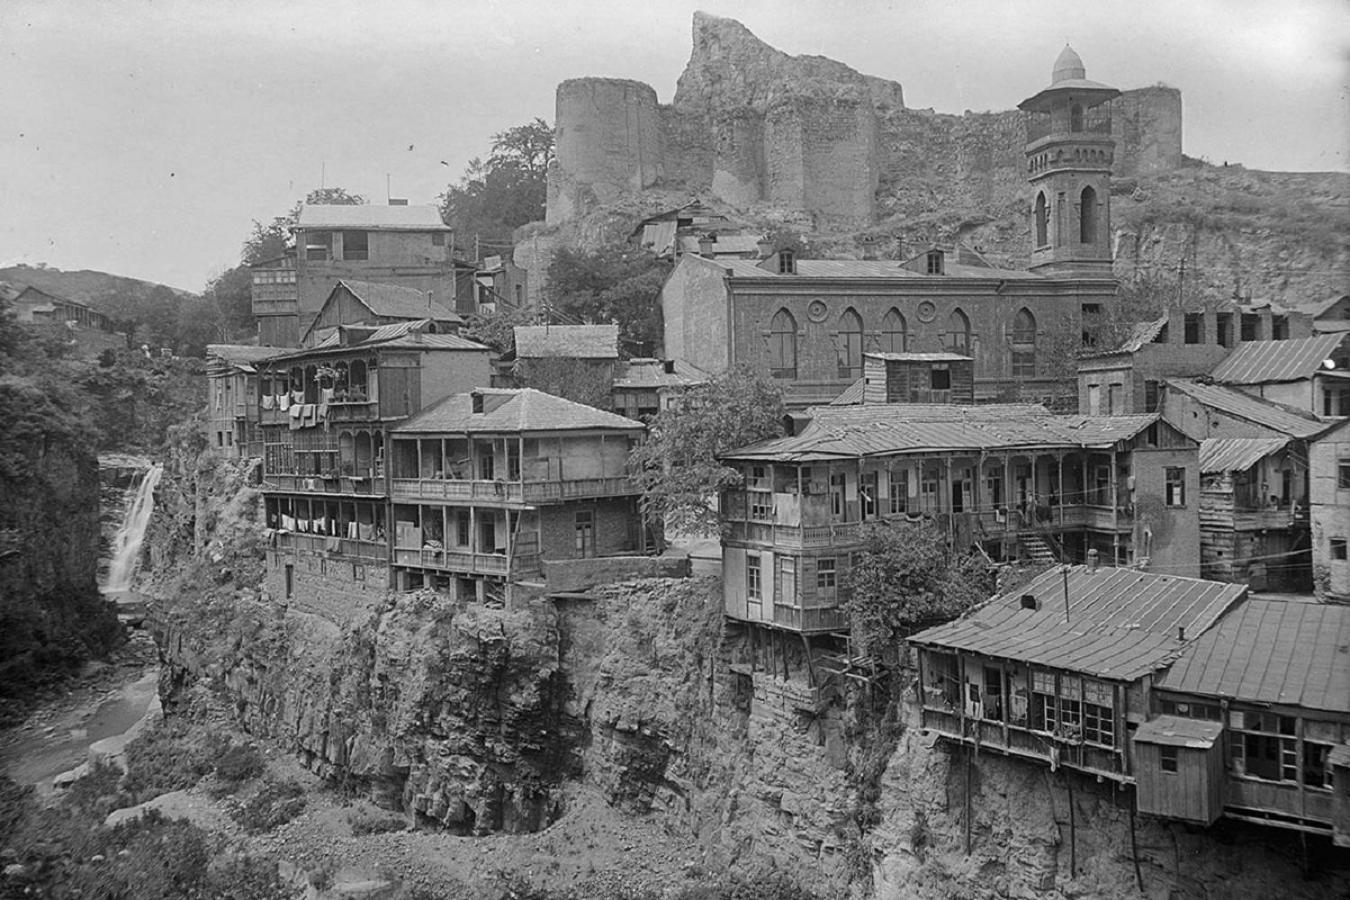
(1260, 361)
(651, 373)
(1271, 651)
(578, 341)
(1122, 623)
(513, 411)
(394, 301)
(1236, 454)
(368, 215)
(1178, 731)
(1281, 419)
(847, 432)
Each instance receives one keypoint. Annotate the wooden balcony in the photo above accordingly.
(433, 490)
(1277, 518)
(792, 537)
(338, 411)
(464, 561)
(810, 620)
(323, 545)
(1016, 740)
(1253, 797)
(344, 486)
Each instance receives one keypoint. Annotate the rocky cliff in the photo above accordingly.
(478, 721)
(772, 139)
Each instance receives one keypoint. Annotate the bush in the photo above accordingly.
(239, 763)
(275, 804)
(170, 757)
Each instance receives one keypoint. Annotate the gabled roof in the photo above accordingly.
(1271, 651)
(1282, 419)
(1236, 454)
(578, 341)
(370, 216)
(852, 395)
(222, 358)
(651, 373)
(394, 301)
(1260, 361)
(848, 432)
(1122, 623)
(512, 411)
(397, 336)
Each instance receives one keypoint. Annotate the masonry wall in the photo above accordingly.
(336, 589)
(694, 312)
(1175, 545)
(821, 156)
(1330, 512)
(615, 522)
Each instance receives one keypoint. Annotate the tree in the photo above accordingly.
(613, 284)
(906, 577)
(497, 329)
(496, 197)
(678, 468)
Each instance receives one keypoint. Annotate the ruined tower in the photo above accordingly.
(1069, 153)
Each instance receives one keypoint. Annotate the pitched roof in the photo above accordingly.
(398, 335)
(368, 215)
(1281, 419)
(1271, 651)
(852, 395)
(512, 410)
(579, 341)
(221, 358)
(651, 373)
(861, 268)
(1236, 454)
(1179, 731)
(846, 432)
(395, 301)
(1259, 361)
(919, 357)
(1122, 623)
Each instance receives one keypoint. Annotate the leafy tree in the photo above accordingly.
(496, 197)
(677, 466)
(497, 329)
(905, 578)
(613, 284)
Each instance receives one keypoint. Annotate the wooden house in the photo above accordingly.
(1059, 671)
(1304, 373)
(644, 387)
(275, 301)
(490, 486)
(232, 397)
(1013, 480)
(353, 302)
(1179, 769)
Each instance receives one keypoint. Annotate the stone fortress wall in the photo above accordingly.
(751, 124)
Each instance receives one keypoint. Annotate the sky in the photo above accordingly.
(144, 137)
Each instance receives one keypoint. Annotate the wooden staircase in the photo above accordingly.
(1037, 550)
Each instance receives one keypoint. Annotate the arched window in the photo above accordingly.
(894, 332)
(1075, 118)
(850, 345)
(1087, 217)
(1024, 344)
(783, 345)
(1042, 221)
(958, 332)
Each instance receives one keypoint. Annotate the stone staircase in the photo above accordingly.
(1037, 550)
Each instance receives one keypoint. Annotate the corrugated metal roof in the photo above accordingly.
(222, 359)
(1283, 419)
(852, 395)
(920, 357)
(1260, 361)
(1236, 454)
(838, 431)
(394, 301)
(1271, 651)
(1178, 731)
(1122, 623)
(512, 411)
(651, 373)
(399, 335)
(367, 215)
(578, 341)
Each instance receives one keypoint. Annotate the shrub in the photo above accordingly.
(275, 804)
(167, 758)
(239, 763)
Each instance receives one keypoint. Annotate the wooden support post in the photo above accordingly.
(1134, 849)
(970, 756)
(1073, 830)
(753, 649)
(810, 667)
(1115, 511)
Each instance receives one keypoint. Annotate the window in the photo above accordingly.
(1336, 402)
(867, 494)
(1343, 475)
(783, 345)
(754, 577)
(933, 262)
(958, 332)
(761, 506)
(849, 348)
(826, 577)
(1223, 324)
(894, 332)
(1024, 344)
(1151, 435)
(787, 262)
(899, 491)
(1042, 221)
(1087, 217)
(993, 482)
(585, 534)
(1043, 708)
(1150, 396)
(1195, 328)
(1115, 399)
(940, 378)
(355, 245)
(486, 466)
(1316, 772)
(838, 508)
(1092, 323)
(1175, 494)
(317, 244)
(1279, 328)
(1167, 759)
(1263, 745)
(1099, 717)
(1094, 399)
(1338, 549)
(1250, 327)
(463, 528)
(1076, 118)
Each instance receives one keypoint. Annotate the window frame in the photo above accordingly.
(1174, 487)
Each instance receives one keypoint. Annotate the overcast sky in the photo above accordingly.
(143, 138)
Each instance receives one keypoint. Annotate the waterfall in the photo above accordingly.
(126, 548)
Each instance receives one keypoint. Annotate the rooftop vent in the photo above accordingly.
(476, 397)
(1029, 601)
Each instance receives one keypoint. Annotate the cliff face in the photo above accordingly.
(807, 141)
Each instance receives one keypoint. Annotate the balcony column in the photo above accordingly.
(1007, 494)
(1059, 475)
(951, 513)
(1115, 510)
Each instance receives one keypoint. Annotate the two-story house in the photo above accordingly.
(495, 488)
(232, 413)
(1013, 479)
(353, 302)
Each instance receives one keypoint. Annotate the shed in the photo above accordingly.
(1179, 770)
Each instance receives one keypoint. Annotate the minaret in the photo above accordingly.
(1069, 154)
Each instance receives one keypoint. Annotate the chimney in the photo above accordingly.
(398, 201)
(476, 398)
(707, 244)
(1181, 632)
(1092, 560)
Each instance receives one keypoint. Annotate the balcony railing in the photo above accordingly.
(1278, 517)
(438, 489)
(468, 562)
(348, 548)
(318, 484)
(809, 620)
